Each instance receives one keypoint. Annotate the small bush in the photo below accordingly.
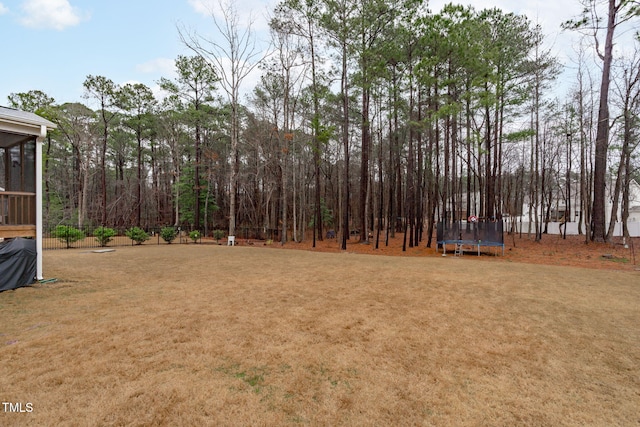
(218, 234)
(104, 235)
(67, 234)
(137, 234)
(168, 234)
(194, 235)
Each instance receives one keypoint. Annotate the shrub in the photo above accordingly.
(104, 235)
(327, 215)
(67, 234)
(194, 235)
(218, 234)
(137, 234)
(168, 234)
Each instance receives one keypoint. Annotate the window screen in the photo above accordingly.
(29, 167)
(3, 170)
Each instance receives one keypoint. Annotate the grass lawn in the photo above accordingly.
(214, 335)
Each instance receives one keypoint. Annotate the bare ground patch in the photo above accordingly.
(215, 335)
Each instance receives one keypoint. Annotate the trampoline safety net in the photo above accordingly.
(483, 233)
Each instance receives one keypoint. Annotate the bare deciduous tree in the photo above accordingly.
(234, 56)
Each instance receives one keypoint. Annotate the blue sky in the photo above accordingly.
(53, 45)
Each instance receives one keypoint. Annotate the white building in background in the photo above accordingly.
(634, 202)
(558, 209)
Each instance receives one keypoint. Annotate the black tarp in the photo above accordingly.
(17, 263)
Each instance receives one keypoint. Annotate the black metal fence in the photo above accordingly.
(243, 233)
(51, 241)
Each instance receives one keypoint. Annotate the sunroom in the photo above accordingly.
(21, 138)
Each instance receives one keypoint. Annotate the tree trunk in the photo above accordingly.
(345, 143)
(602, 135)
(364, 166)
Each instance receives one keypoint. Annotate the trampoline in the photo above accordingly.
(470, 234)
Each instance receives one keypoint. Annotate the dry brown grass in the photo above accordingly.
(214, 335)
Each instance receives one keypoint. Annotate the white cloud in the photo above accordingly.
(3, 9)
(549, 14)
(50, 14)
(251, 11)
(164, 66)
(203, 7)
(159, 93)
(158, 67)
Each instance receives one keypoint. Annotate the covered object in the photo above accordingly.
(17, 263)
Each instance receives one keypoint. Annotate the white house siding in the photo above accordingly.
(633, 223)
(572, 228)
